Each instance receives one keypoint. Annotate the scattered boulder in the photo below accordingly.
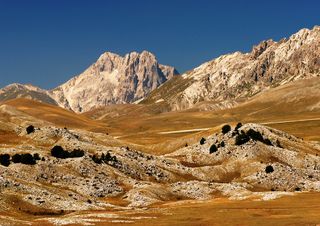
(202, 141)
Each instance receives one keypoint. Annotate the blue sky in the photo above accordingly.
(47, 42)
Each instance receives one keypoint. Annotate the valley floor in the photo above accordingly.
(298, 209)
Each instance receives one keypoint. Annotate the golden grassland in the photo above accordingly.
(293, 108)
(300, 209)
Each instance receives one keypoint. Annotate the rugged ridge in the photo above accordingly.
(234, 77)
(113, 79)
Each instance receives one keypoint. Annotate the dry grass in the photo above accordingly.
(286, 108)
(301, 209)
(55, 115)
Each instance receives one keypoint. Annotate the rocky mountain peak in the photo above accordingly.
(260, 48)
(113, 79)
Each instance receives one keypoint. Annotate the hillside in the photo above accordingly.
(98, 176)
(293, 107)
(233, 78)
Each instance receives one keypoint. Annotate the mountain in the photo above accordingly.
(234, 77)
(113, 79)
(222, 83)
(16, 90)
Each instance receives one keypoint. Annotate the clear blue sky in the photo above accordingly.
(47, 42)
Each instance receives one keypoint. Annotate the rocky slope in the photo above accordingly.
(250, 161)
(113, 79)
(231, 78)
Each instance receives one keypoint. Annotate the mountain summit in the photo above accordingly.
(113, 79)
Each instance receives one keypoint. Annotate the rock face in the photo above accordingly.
(113, 80)
(237, 76)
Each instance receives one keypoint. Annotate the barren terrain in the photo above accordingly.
(138, 164)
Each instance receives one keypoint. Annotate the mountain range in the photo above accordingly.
(235, 77)
(113, 79)
(220, 83)
(129, 140)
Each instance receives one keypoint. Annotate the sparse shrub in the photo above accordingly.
(16, 158)
(76, 153)
(5, 159)
(59, 152)
(269, 169)
(107, 157)
(225, 129)
(213, 149)
(202, 141)
(96, 159)
(267, 142)
(27, 159)
(114, 159)
(30, 129)
(36, 157)
(255, 135)
(238, 126)
(279, 144)
(104, 158)
(242, 139)
(236, 132)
